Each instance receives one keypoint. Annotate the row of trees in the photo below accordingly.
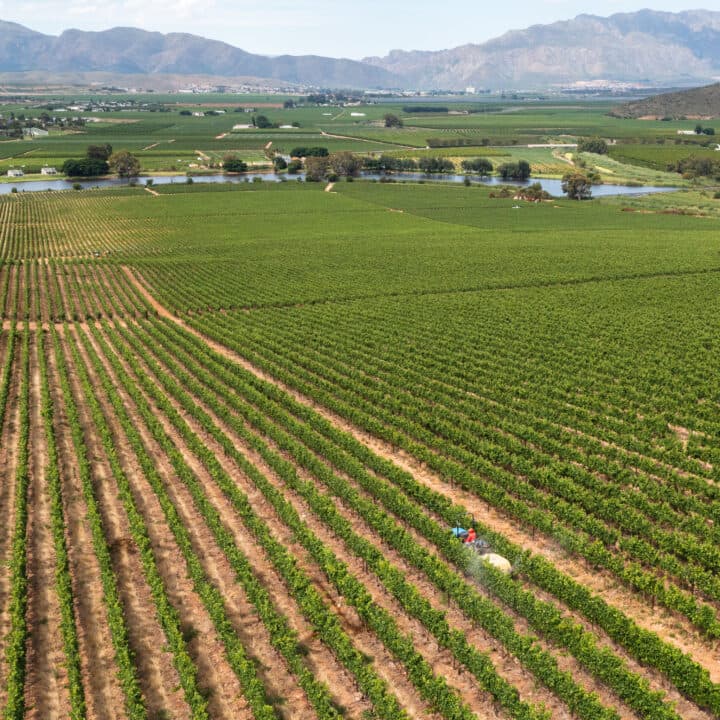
(388, 163)
(302, 151)
(481, 166)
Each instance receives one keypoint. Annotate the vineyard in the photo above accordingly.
(238, 424)
(660, 157)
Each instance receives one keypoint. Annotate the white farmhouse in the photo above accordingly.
(15, 172)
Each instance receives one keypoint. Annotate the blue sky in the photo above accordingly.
(338, 28)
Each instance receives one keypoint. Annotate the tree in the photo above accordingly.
(316, 168)
(301, 151)
(279, 163)
(430, 165)
(481, 166)
(519, 170)
(232, 163)
(576, 186)
(698, 129)
(125, 164)
(99, 152)
(262, 122)
(294, 167)
(84, 167)
(593, 145)
(696, 166)
(392, 121)
(345, 164)
(288, 104)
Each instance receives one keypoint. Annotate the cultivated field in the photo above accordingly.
(237, 425)
(171, 139)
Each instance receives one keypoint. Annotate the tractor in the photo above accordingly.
(482, 548)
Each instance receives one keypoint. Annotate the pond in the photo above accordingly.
(551, 186)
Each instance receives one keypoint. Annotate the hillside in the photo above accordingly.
(701, 103)
(133, 51)
(646, 46)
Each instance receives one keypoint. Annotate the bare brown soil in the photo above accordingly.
(656, 679)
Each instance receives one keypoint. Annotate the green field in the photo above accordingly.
(238, 422)
(168, 139)
(660, 157)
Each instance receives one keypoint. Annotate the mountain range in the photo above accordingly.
(645, 46)
(656, 48)
(129, 51)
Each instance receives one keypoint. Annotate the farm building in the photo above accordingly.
(48, 171)
(14, 172)
(35, 132)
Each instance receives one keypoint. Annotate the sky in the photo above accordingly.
(337, 28)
